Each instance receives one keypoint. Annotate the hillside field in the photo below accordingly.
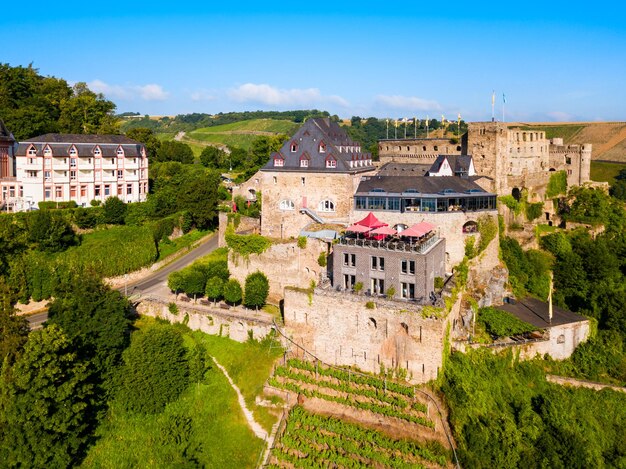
(240, 134)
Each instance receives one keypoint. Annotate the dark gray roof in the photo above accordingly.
(403, 169)
(5, 135)
(535, 312)
(419, 184)
(60, 145)
(458, 163)
(307, 140)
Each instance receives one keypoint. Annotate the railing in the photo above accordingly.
(420, 247)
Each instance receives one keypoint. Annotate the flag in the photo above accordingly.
(459, 117)
(503, 98)
(493, 98)
(397, 123)
(427, 120)
(443, 120)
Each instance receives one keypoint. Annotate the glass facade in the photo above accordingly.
(432, 203)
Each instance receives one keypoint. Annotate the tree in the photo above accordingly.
(213, 157)
(232, 291)
(214, 288)
(155, 371)
(114, 211)
(256, 290)
(194, 281)
(50, 232)
(13, 329)
(147, 137)
(86, 217)
(86, 112)
(199, 198)
(174, 151)
(45, 404)
(176, 281)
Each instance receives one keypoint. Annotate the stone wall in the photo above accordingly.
(246, 225)
(285, 194)
(284, 264)
(449, 226)
(416, 150)
(560, 345)
(228, 323)
(340, 329)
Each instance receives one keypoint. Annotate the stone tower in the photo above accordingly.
(487, 142)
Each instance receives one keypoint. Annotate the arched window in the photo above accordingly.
(326, 206)
(287, 205)
(470, 227)
(294, 147)
(32, 151)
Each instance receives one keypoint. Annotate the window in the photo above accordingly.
(349, 281)
(47, 192)
(47, 151)
(31, 174)
(275, 180)
(73, 192)
(11, 191)
(294, 147)
(349, 259)
(304, 163)
(408, 267)
(58, 192)
(83, 191)
(120, 151)
(279, 162)
(46, 175)
(97, 152)
(73, 174)
(21, 191)
(32, 151)
(303, 181)
(72, 162)
(97, 190)
(322, 147)
(73, 151)
(120, 173)
(331, 163)
(377, 263)
(32, 160)
(107, 189)
(120, 189)
(287, 205)
(378, 286)
(326, 206)
(129, 189)
(407, 290)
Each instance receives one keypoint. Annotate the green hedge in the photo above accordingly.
(54, 205)
(500, 323)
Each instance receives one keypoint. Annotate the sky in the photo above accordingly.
(545, 61)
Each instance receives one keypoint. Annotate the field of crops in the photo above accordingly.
(311, 440)
(368, 393)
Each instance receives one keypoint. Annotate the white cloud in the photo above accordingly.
(202, 95)
(267, 94)
(560, 116)
(149, 92)
(408, 103)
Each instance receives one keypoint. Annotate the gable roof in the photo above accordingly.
(338, 146)
(5, 135)
(403, 169)
(458, 163)
(85, 144)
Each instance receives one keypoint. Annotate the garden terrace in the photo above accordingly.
(420, 246)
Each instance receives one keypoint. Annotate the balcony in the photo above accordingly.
(394, 244)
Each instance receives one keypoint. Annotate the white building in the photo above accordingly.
(64, 167)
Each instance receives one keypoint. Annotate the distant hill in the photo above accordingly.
(608, 138)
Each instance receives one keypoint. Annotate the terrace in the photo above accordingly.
(394, 243)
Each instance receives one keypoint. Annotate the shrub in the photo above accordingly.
(557, 184)
(321, 260)
(391, 291)
(256, 290)
(86, 217)
(114, 211)
(246, 244)
(214, 288)
(511, 203)
(370, 305)
(470, 250)
(488, 228)
(302, 242)
(173, 308)
(358, 287)
(438, 283)
(534, 211)
(500, 323)
(232, 291)
(49, 205)
(95, 203)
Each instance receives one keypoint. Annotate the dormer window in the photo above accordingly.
(97, 152)
(304, 163)
(294, 147)
(47, 151)
(331, 163)
(120, 152)
(279, 162)
(322, 147)
(32, 151)
(73, 151)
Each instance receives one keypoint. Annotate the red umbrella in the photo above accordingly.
(418, 230)
(371, 221)
(358, 229)
(384, 230)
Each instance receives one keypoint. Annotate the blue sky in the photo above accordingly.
(560, 61)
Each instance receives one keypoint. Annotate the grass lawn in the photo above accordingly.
(603, 171)
(249, 365)
(566, 132)
(168, 247)
(205, 423)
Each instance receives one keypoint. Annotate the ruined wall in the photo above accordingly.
(246, 225)
(304, 190)
(420, 150)
(284, 264)
(449, 226)
(339, 329)
(214, 321)
(560, 345)
(574, 159)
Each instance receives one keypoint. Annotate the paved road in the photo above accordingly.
(155, 280)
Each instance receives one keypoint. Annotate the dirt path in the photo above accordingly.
(179, 136)
(258, 430)
(580, 383)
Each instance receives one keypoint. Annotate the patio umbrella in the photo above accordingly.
(383, 230)
(358, 229)
(418, 230)
(371, 221)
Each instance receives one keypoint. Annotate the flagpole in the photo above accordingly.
(415, 122)
(406, 123)
(427, 125)
(387, 129)
(503, 104)
(493, 105)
